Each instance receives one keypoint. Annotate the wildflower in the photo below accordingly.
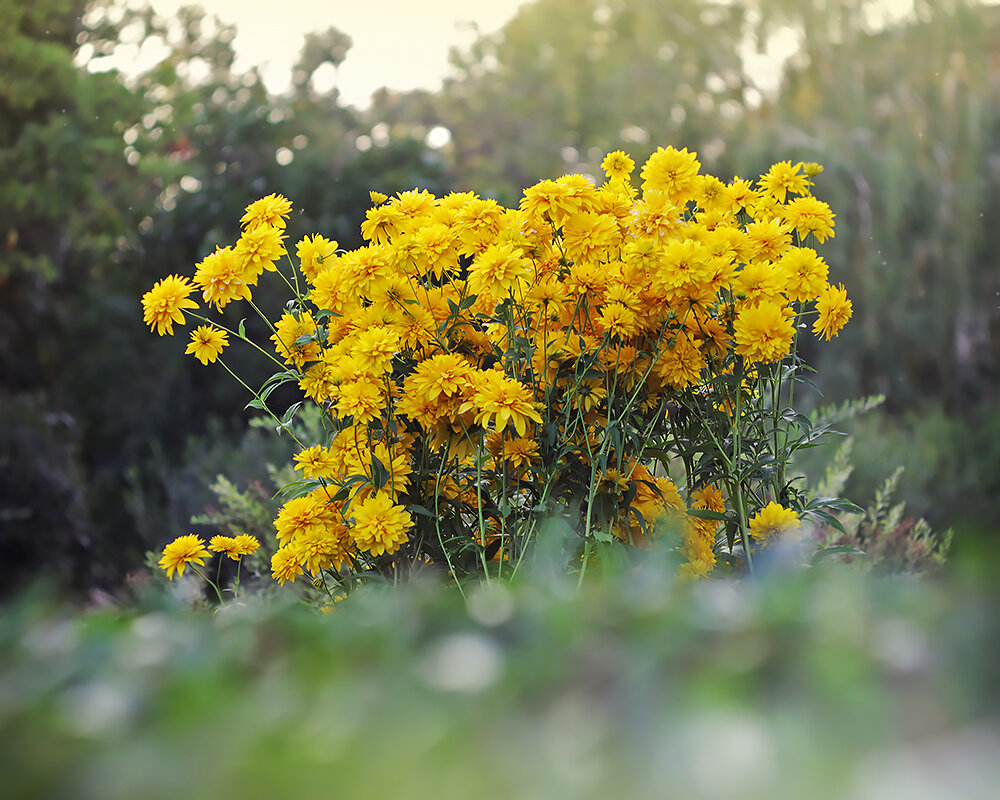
(257, 250)
(285, 565)
(834, 311)
(362, 399)
(782, 178)
(226, 545)
(222, 278)
(445, 374)
(768, 239)
(246, 545)
(619, 321)
(497, 270)
(268, 211)
(302, 515)
(380, 526)
(589, 237)
(682, 364)
(315, 254)
(804, 272)
(375, 348)
(502, 402)
(618, 165)
(809, 215)
(672, 171)
(322, 548)
(207, 342)
(182, 551)
(760, 281)
(381, 223)
(164, 304)
(317, 462)
(763, 332)
(742, 196)
(773, 521)
(291, 329)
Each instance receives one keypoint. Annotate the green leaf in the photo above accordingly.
(380, 475)
(241, 329)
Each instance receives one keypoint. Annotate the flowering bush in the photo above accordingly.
(620, 358)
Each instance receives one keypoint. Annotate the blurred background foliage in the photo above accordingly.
(110, 437)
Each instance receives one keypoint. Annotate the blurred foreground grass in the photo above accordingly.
(830, 683)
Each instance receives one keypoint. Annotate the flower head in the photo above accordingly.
(672, 171)
(380, 526)
(182, 551)
(618, 165)
(222, 277)
(207, 342)
(763, 332)
(834, 311)
(772, 522)
(164, 304)
(270, 210)
(782, 178)
(285, 565)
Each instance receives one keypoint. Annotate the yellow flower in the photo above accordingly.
(763, 332)
(270, 211)
(288, 331)
(380, 526)
(257, 250)
(381, 224)
(182, 551)
(589, 237)
(226, 545)
(317, 462)
(760, 281)
(804, 272)
(502, 401)
(497, 270)
(322, 548)
(768, 239)
(444, 375)
(375, 348)
(222, 278)
(315, 254)
(782, 178)
(362, 399)
(834, 311)
(682, 364)
(246, 545)
(164, 304)
(285, 565)
(672, 171)
(619, 321)
(772, 522)
(302, 515)
(207, 342)
(618, 165)
(809, 215)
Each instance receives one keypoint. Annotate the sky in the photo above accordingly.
(401, 44)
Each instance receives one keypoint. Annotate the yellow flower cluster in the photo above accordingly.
(528, 336)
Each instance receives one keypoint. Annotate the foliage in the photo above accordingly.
(825, 684)
(881, 534)
(110, 183)
(482, 371)
(901, 109)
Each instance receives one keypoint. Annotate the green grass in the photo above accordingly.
(829, 683)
